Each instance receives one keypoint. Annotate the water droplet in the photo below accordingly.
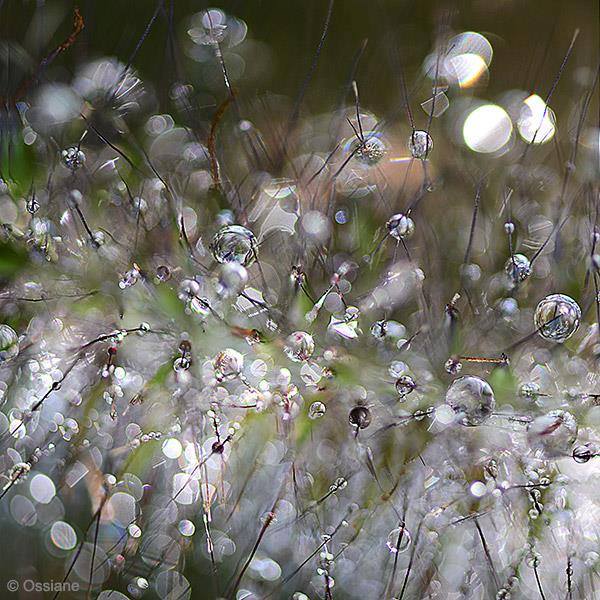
(518, 268)
(472, 398)
(234, 243)
(557, 317)
(405, 385)
(299, 346)
(420, 144)
(400, 226)
(9, 343)
(316, 410)
(369, 150)
(73, 158)
(360, 417)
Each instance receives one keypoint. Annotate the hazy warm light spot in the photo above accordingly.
(464, 61)
(467, 68)
(536, 122)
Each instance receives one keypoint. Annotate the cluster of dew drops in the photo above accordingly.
(280, 449)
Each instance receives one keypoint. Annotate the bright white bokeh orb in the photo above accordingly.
(487, 129)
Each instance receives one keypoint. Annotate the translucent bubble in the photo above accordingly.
(420, 144)
(398, 540)
(487, 129)
(369, 151)
(557, 317)
(223, 546)
(400, 226)
(234, 243)
(299, 346)
(472, 398)
(63, 536)
(9, 343)
(518, 268)
(133, 485)
(405, 385)
(316, 410)
(553, 433)
(360, 417)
